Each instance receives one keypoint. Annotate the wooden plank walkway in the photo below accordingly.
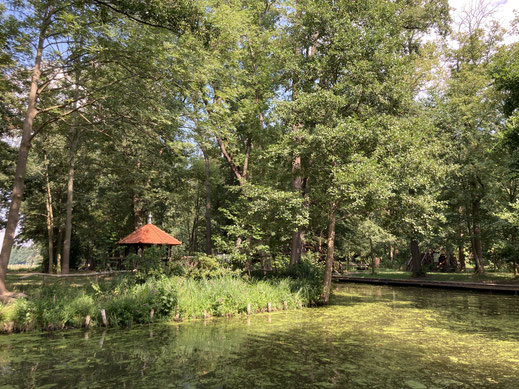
(479, 286)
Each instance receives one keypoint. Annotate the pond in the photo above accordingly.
(372, 336)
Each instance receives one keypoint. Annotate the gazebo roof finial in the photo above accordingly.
(149, 218)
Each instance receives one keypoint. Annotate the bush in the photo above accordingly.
(209, 266)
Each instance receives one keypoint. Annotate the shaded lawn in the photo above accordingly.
(33, 284)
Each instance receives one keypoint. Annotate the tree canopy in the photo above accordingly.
(267, 132)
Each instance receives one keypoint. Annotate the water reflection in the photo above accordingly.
(373, 336)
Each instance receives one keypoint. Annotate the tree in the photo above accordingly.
(345, 85)
(470, 118)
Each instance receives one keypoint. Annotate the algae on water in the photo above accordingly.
(372, 336)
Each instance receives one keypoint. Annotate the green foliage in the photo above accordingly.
(209, 266)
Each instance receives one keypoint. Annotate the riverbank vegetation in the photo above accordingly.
(128, 299)
(257, 132)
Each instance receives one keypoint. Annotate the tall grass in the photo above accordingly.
(58, 306)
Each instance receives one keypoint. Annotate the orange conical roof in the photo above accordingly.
(149, 234)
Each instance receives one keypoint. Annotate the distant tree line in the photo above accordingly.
(25, 255)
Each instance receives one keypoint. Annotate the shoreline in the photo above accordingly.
(418, 282)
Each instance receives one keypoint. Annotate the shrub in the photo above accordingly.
(22, 314)
(209, 266)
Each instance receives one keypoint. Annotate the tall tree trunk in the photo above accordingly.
(138, 217)
(65, 266)
(137, 211)
(298, 179)
(461, 255)
(50, 215)
(461, 251)
(208, 246)
(476, 225)
(297, 186)
(193, 238)
(59, 245)
(416, 260)
(391, 253)
(21, 163)
(372, 252)
(327, 283)
(297, 247)
(297, 236)
(320, 243)
(266, 262)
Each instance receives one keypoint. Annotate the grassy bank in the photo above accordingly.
(63, 304)
(468, 276)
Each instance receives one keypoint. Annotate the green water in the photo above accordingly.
(373, 336)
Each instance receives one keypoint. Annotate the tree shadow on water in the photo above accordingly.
(318, 347)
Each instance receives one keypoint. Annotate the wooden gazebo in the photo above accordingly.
(147, 236)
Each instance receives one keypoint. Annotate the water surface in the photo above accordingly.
(372, 336)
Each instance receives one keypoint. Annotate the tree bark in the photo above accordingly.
(415, 254)
(327, 283)
(23, 154)
(297, 247)
(50, 214)
(208, 246)
(476, 225)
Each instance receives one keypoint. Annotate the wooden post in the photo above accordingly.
(152, 312)
(285, 305)
(87, 321)
(177, 315)
(248, 309)
(269, 307)
(205, 314)
(103, 316)
(54, 299)
(102, 340)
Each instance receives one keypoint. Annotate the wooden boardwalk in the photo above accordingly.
(477, 286)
